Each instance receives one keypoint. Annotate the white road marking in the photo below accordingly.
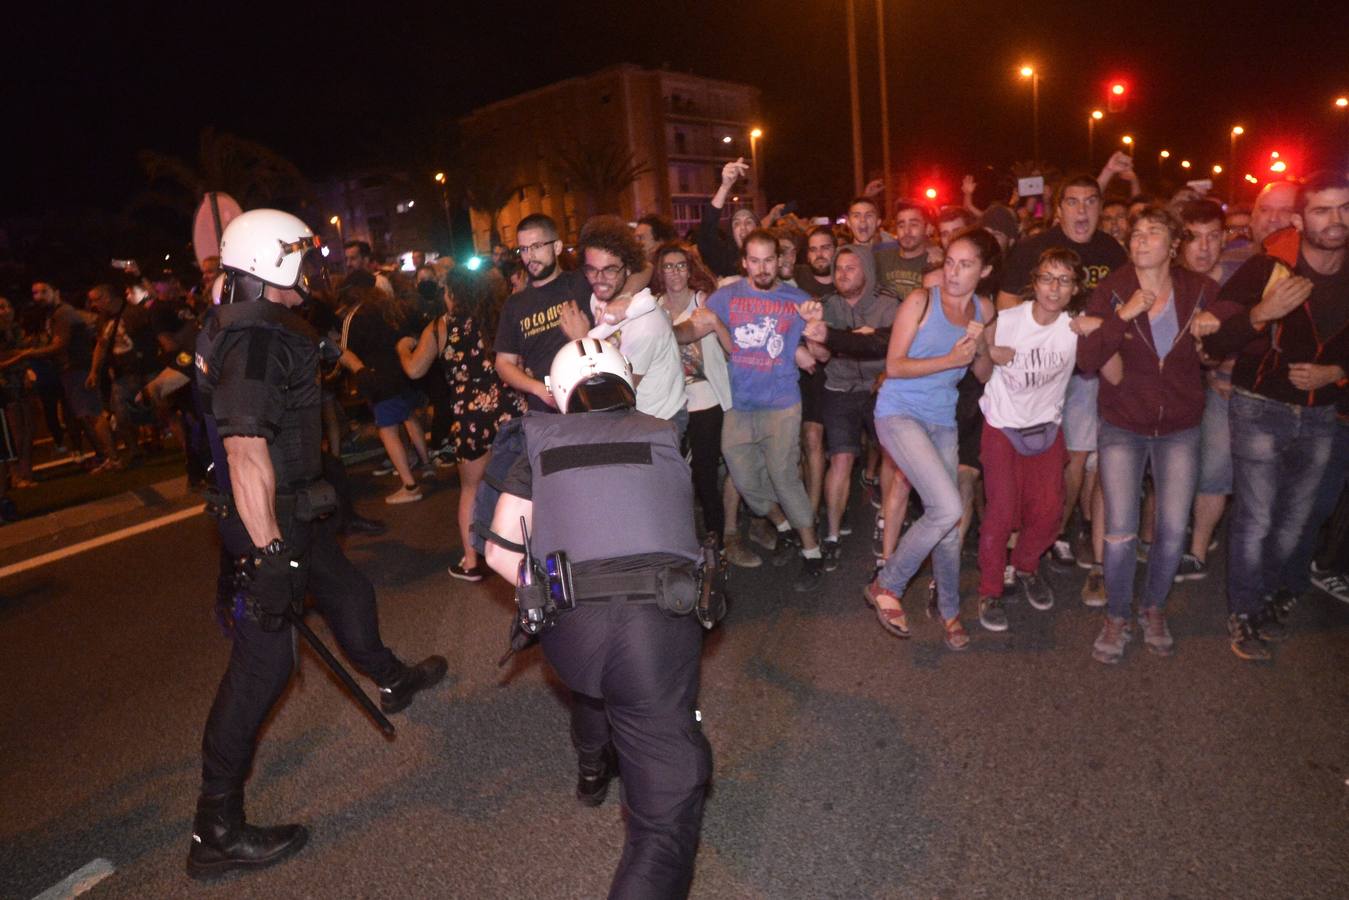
(78, 882)
(93, 543)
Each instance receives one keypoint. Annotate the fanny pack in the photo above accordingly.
(1034, 439)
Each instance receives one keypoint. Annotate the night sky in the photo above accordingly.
(333, 91)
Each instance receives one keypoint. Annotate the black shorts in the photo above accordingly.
(969, 421)
(812, 395)
(847, 415)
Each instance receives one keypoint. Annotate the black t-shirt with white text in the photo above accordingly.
(529, 324)
(1100, 256)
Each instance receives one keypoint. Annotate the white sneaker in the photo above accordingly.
(405, 495)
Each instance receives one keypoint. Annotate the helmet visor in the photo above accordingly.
(601, 392)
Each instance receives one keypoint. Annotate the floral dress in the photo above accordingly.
(479, 402)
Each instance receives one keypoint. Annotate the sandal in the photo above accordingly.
(892, 620)
(955, 638)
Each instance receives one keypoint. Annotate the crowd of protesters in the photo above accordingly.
(1088, 378)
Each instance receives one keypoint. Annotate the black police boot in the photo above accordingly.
(222, 841)
(358, 524)
(592, 782)
(427, 673)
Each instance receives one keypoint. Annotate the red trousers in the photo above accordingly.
(1024, 492)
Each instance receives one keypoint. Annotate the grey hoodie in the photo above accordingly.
(875, 308)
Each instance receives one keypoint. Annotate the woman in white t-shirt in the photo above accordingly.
(682, 284)
(1033, 348)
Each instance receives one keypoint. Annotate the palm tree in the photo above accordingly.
(488, 188)
(251, 172)
(602, 169)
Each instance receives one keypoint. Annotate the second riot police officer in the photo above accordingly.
(258, 377)
(607, 499)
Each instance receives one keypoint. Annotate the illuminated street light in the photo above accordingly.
(1252, 179)
(1165, 154)
(1237, 131)
(1028, 71)
(1217, 169)
(1096, 116)
(1117, 89)
(1184, 163)
(756, 133)
(333, 220)
(1128, 142)
(440, 178)
(930, 193)
(1342, 102)
(1279, 166)
(726, 139)
(337, 221)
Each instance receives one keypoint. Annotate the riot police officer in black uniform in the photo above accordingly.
(257, 367)
(610, 500)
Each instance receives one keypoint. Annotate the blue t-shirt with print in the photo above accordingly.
(765, 329)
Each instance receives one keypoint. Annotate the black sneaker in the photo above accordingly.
(830, 550)
(1332, 583)
(1266, 624)
(1035, 590)
(1246, 641)
(808, 580)
(1061, 553)
(425, 674)
(1192, 568)
(991, 614)
(789, 547)
(1282, 603)
(464, 573)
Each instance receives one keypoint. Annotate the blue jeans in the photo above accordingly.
(1175, 471)
(1297, 576)
(927, 455)
(1279, 456)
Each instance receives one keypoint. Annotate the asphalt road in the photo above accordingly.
(848, 763)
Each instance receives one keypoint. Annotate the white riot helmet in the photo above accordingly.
(590, 375)
(267, 246)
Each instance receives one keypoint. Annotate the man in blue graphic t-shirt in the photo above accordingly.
(759, 322)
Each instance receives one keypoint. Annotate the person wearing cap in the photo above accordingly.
(607, 497)
(257, 377)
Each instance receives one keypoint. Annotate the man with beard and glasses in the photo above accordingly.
(759, 322)
(555, 308)
(1285, 313)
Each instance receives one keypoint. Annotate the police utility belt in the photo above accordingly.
(302, 503)
(673, 589)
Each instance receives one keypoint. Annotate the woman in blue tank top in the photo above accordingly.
(937, 334)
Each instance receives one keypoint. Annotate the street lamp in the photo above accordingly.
(1217, 169)
(1028, 71)
(1237, 131)
(1185, 164)
(1128, 142)
(1342, 102)
(754, 135)
(1096, 116)
(445, 205)
(337, 221)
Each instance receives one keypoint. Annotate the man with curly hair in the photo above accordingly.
(610, 253)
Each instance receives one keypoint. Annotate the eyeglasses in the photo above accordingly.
(674, 267)
(609, 272)
(1045, 279)
(532, 248)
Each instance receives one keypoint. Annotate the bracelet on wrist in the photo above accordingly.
(275, 547)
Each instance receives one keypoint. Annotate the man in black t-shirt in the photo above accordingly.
(539, 320)
(1077, 212)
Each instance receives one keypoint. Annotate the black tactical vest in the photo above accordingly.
(607, 485)
(277, 349)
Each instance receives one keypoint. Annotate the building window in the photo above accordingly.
(681, 142)
(683, 179)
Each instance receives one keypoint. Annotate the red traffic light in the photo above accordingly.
(1117, 97)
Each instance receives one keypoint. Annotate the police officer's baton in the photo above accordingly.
(342, 674)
